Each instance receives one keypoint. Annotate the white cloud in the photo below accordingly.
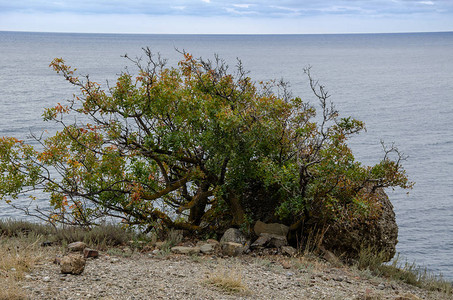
(241, 5)
(426, 2)
(206, 1)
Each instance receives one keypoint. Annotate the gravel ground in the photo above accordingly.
(147, 276)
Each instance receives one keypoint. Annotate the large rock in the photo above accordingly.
(233, 235)
(77, 246)
(72, 264)
(271, 228)
(381, 234)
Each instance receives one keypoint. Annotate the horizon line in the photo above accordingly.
(141, 33)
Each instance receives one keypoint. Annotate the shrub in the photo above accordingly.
(196, 148)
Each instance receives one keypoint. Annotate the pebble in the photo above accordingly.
(46, 279)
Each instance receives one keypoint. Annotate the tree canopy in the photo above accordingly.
(196, 147)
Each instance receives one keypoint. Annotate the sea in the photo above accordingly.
(400, 85)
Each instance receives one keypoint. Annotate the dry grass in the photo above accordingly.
(228, 280)
(17, 256)
(409, 273)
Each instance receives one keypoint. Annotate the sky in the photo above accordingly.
(227, 17)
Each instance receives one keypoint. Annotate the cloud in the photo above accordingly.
(280, 13)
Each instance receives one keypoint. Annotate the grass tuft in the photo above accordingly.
(227, 280)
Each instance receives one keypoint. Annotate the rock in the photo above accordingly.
(185, 250)
(330, 257)
(46, 279)
(57, 260)
(159, 245)
(46, 244)
(270, 240)
(232, 249)
(271, 228)
(233, 235)
(207, 248)
(286, 265)
(381, 234)
(288, 250)
(155, 252)
(88, 252)
(77, 246)
(72, 264)
(212, 241)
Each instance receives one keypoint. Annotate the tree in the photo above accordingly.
(195, 148)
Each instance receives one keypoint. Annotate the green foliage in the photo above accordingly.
(191, 148)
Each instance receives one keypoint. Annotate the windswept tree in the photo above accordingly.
(196, 148)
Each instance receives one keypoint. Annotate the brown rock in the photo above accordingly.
(232, 249)
(381, 234)
(271, 228)
(77, 246)
(88, 252)
(72, 264)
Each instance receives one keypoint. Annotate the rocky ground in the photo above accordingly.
(121, 274)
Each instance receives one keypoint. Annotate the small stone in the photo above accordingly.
(185, 250)
(13, 269)
(77, 246)
(288, 250)
(159, 245)
(289, 274)
(207, 248)
(155, 252)
(46, 244)
(88, 252)
(381, 286)
(57, 260)
(46, 279)
(286, 265)
(28, 277)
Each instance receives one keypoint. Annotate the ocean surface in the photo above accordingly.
(400, 85)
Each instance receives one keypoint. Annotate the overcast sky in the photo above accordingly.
(220, 16)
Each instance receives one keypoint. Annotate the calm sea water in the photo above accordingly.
(401, 85)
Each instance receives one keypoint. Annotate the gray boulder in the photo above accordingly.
(270, 241)
(271, 228)
(233, 235)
